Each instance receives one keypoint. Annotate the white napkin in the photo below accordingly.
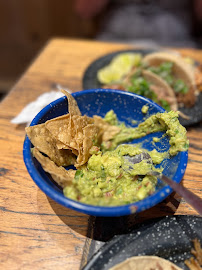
(30, 110)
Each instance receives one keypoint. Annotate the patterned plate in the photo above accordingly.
(90, 81)
(168, 237)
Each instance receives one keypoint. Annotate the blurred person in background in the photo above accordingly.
(146, 22)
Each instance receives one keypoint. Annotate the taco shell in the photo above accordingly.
(181, 70)
(145, 263)
(161, 88)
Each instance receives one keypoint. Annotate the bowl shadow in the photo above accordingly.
(93, 232)
(104, 228)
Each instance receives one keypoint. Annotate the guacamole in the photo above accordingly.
(110, 179)
(167, 122)
(145, 109)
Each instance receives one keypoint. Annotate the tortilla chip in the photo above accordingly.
(61, 145)
(68, 132)
(195, 263)
(197, 251)
(54, 124)
(90, 133)
(60, 128)
(106, 131)
(192, 264)
(80, 122)
(42, 139)
(61, 176)
(146, 263)
(72, 104)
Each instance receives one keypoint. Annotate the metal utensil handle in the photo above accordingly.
(190, 197)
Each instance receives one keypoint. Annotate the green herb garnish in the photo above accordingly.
(180, 87)
(78, 174)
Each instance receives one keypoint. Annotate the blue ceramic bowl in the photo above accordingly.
(127, 106)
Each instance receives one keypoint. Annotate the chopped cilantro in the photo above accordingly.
(180, 87)
(78, 174)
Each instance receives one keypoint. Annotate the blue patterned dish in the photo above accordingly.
(127, 106)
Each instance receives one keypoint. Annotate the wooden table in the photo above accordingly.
(36, 232)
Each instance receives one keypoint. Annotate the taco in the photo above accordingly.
(177, 73)
(162, 90)
(145, 83)
(145, 263)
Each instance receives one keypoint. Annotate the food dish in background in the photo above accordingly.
(174, 167)
(148, 80)
(171, 238)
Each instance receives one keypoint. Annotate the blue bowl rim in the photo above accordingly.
(107, 211)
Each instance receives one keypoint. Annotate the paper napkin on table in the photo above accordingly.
(30, 110)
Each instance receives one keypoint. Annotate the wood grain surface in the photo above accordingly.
(36, 232)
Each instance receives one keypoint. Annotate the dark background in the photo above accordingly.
(26, 26)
